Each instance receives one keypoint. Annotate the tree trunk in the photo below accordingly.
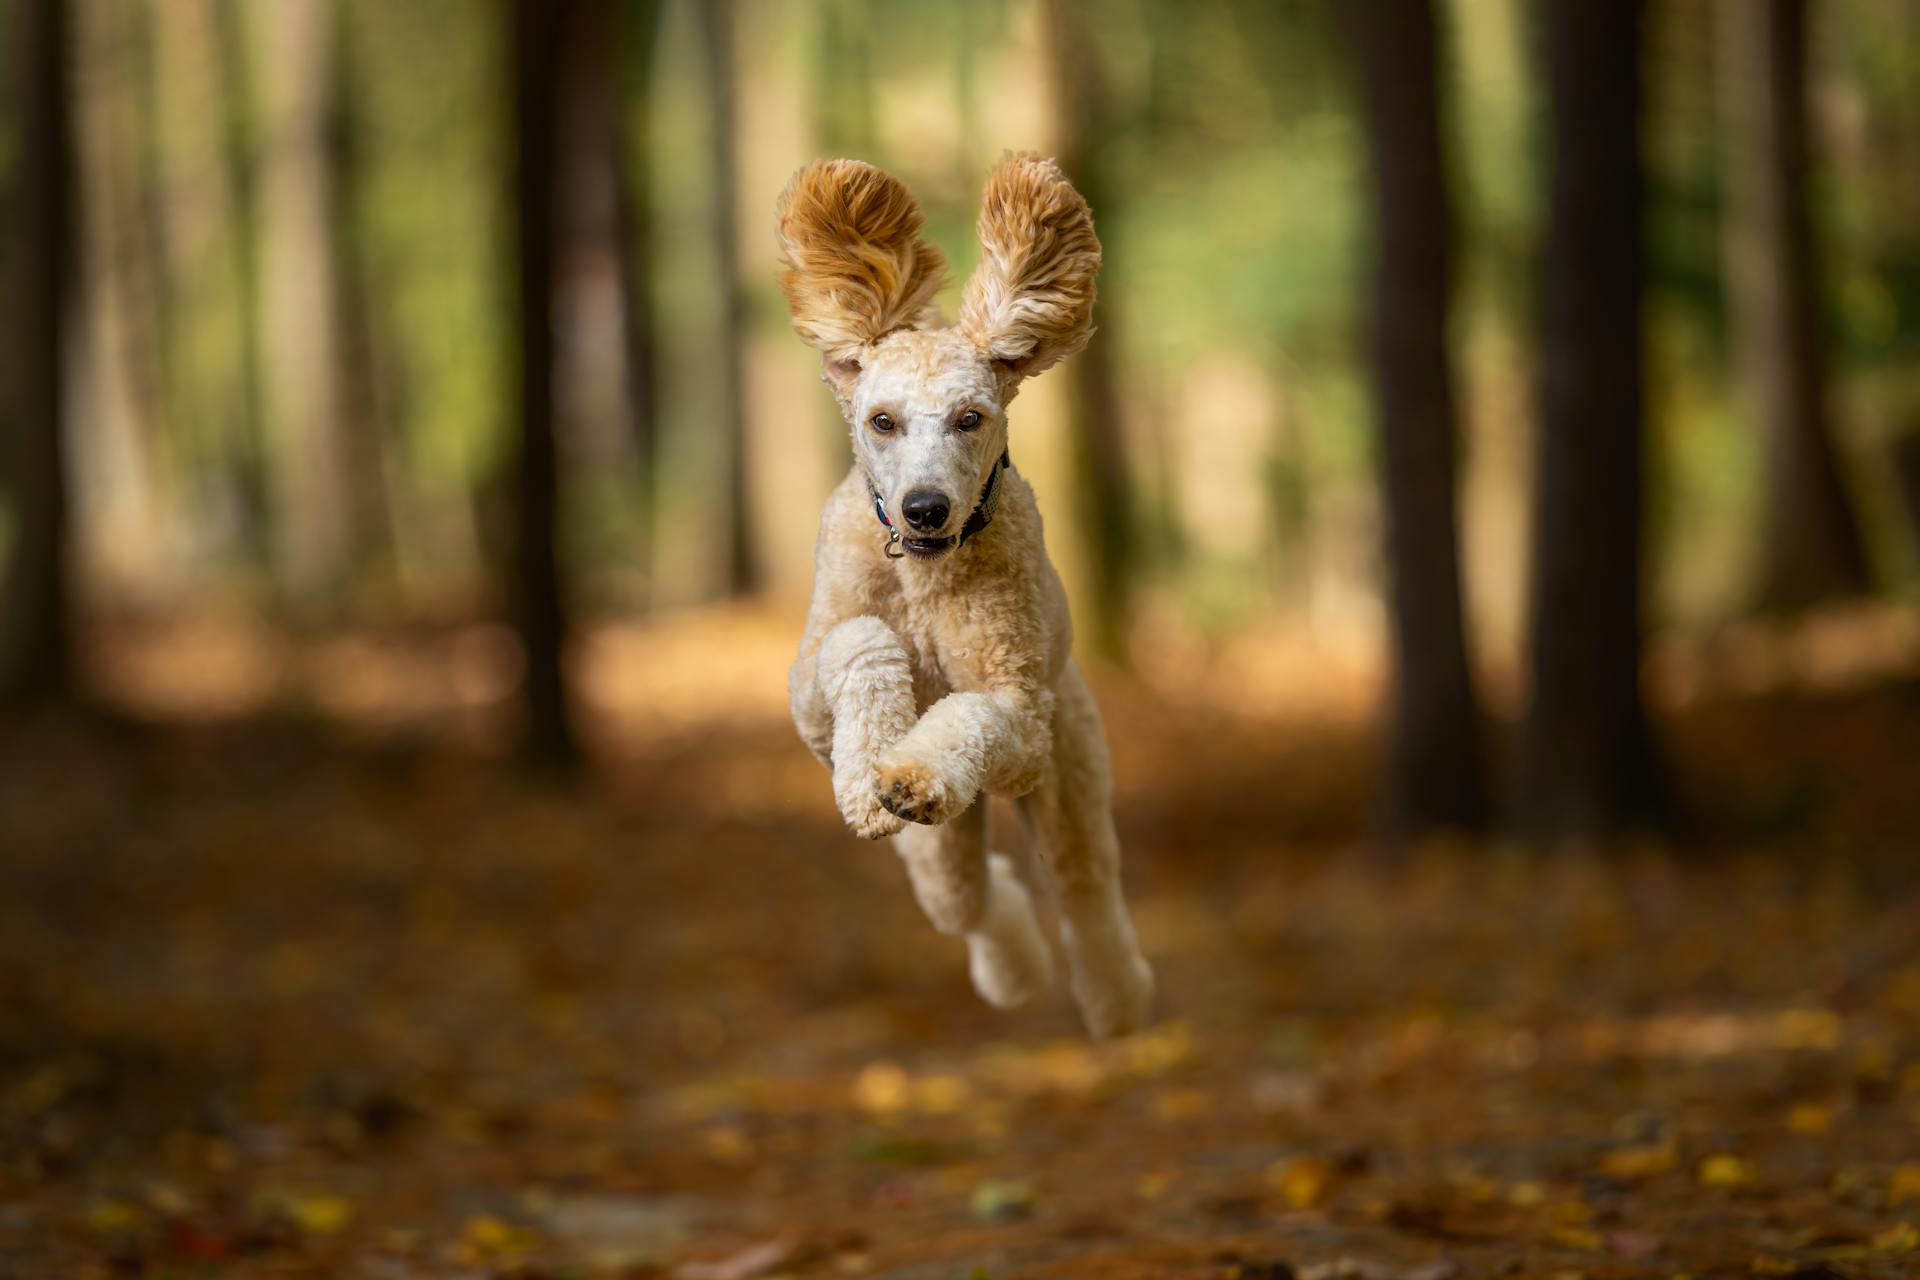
(634, 246)
(1589, 767)
(35, 628)
(1812, 549)
(1434, 776)
(363, 428)
(239, 145)
(539, 606)
(716, 30)
(306, 455)
(1103, 500)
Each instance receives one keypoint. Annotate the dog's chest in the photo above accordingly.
(930, 648)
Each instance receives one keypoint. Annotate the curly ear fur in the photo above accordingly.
(1030, 301)
(856, 267)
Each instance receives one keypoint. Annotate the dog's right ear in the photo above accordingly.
(856, 267)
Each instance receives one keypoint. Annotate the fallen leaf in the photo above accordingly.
(1151, 1186)
(1303, 1181)
(1575, 1238)
(1817, 1029)
(1723, 1169)
(619, 1231)
(111, 1217)
(1526, 1195)
(1904, 1185)
(317, 1213)
(1636, 1246)
(755, 1260)
(1000, 1200)
(185, 1240)
(1173, 1105)
(881, 1087)
(1902, 1237)
(941, 1095)
(1285, 1092)
(1811, 1118)
(1639, 1162)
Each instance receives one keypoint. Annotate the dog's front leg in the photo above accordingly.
(965, 742)
(865, 679)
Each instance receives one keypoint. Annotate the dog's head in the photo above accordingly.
(927, 402)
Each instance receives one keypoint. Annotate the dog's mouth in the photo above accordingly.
(927, 548)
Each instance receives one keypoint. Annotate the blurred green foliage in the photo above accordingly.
(1229, 164)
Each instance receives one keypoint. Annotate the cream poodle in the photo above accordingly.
(936, 664)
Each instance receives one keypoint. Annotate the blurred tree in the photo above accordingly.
(365, 432)
(240, 148)
(1104, 508)
(842, 88)
(631, 104)
(539, 30)
(308, 468)
(716, 39)
(1812, 548)
(1434, 776)
(1588, 765)
(37, 261)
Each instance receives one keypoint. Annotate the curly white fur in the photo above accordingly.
(925, 681)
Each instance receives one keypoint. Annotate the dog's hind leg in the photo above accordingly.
(966, 891)
(1071, 819)
(866, 681)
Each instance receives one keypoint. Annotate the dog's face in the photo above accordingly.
(928, 425)
(927, 403)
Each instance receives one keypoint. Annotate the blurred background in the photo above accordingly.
(1504, 420)
(323, 270)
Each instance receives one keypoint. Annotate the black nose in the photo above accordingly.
(924, 509)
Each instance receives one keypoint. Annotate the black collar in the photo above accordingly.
(982, 511)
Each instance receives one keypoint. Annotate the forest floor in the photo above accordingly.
(317, 994)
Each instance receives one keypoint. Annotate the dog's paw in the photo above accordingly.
(867, 819)
(913, 792)
(1118, 1003)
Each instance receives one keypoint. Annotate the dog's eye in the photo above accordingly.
(880, 422)
(969, 420)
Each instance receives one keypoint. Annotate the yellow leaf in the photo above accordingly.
(1725, 1170)
(1899, 1238)
(1473, 1186)
(1526, 1195)
(1171, 1105)
(1904, 1185)
(1574, 1238)
(1643, 1161)
(881, 1087)
(1304, 1181)
(1808, 1029)
(1152, 1186)
(941, 1095)
(1810, 1118)
(318, 1213)
(487, 1233)
(727, 1143)
(110, 1217)
(1160, 1049)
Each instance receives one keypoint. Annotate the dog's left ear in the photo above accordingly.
(1030, 301)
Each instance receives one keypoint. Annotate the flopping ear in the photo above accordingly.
(856, 267)
(1030, 301)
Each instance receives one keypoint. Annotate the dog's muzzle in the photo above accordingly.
(898, 545)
